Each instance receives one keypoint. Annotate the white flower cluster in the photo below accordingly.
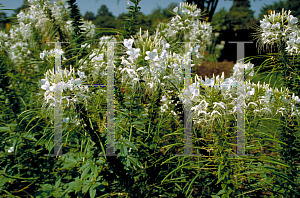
(68, 82)
(162, 65)
(165, 68)
(97, 59)
(89, 27)
(36, 17)
(281, 27)
(264, 99)
(189, 23)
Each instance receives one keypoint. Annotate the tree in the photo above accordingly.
(103, 11)
(104, 18)
(219, 19)
(3, 20)
(89, 16)
(240, 16)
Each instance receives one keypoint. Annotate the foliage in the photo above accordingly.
(219, 20)
(238, 17)
(104, 18)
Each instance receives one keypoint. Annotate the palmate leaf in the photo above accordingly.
(74, 186)
(46, 191)
(69, 162)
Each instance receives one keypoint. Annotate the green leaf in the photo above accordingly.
(3, 129)
(215, 196)
(94, 169)
(74, 186)
(29, 137)
(100, 161)
(137, 122)
(84, 166)
(221, 192)
(57, 183)
(85, 172)
(93, 191)
(133, 160)
(87, 185)
(70, 162)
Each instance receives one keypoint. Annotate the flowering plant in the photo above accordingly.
(281, 27)
(147, 124)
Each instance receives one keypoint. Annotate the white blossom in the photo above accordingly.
(128, 43)
(11, 149)
(152, 55)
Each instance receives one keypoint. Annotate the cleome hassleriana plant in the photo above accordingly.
(152, 61)
(153, 65)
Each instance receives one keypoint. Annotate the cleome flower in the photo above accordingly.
(281, 27)
(128, 43)
(152, 55)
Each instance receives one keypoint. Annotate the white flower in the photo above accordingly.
(10, 150)
(42, 55)
(133, 53)
(196, 13)
(54, 88)
(165, 45)
(293, 20)
(164, 54)
(77, 81)
(221, 104)
(125, 62)
(297, 100)
(99, 58)
(128, 43)
(152, 55)
(209, 82)
(251, 92)
(66, 119)
(265, 25)
(277, 25)
(175, 9)
(185, 11)
(175, 66)
(164, 107)
(46, 85)
(81, 74)
(151, 84)
(252, 103)
(164, 98)
(214, 112)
